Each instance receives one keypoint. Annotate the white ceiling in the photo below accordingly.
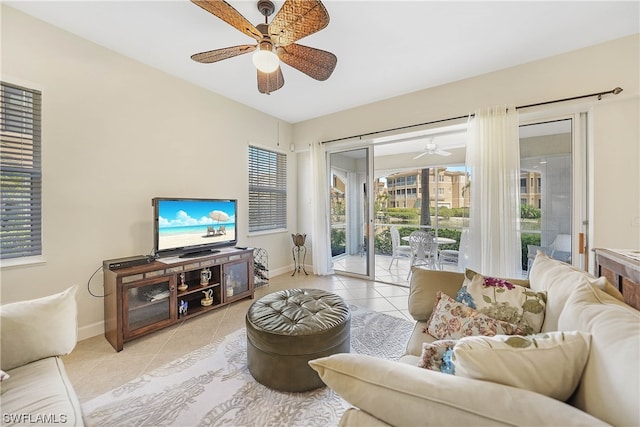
(384, 48)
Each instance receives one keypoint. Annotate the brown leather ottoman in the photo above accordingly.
(287, 329)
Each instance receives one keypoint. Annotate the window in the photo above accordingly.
(20, 172)
(267, 190)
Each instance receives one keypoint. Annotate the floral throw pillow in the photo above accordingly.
(433, 354)
(503, 300)
(453, 320)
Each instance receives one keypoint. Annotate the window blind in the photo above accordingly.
(267, 190)
(20, 172)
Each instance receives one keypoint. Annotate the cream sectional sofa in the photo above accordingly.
(35, 387)
(400, 393)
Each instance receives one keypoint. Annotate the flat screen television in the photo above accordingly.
(193, 227)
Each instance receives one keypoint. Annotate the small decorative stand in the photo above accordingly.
(299, 250)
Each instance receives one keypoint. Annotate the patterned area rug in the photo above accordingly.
(212, 386)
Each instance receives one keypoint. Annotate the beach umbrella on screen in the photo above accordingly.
(219, 216)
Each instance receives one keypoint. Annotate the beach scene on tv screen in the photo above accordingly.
(195, 222)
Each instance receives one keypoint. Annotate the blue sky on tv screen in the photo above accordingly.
(186, 213)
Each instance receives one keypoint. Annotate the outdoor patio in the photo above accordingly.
(396, 275)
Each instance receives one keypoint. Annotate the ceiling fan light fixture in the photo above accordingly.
(264, 59)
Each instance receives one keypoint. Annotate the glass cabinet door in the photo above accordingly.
(236, 278)
(147, 305)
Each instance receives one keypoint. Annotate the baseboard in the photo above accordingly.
(281, 270)
(90, 331)
(288, 270)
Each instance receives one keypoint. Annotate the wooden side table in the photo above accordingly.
(622, 270)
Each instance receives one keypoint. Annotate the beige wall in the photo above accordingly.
(615, 123)
(617, 175)
(115, 134)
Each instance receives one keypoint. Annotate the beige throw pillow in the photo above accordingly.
(39, 328)
(549, 363)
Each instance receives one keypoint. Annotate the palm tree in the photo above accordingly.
(425, 211)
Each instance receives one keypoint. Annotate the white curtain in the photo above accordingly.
(321, 253)
(493, 155)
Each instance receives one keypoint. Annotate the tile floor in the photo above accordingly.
(94, 367)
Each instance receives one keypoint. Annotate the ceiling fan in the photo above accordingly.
(276, 41)
(432, 148)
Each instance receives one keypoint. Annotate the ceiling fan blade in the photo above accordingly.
(442, 153)
(270, 82)
(224, 53)
(228, 14)
(316, 63)
(420, 155)
(297, 19)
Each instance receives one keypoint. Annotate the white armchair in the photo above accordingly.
(398, 250)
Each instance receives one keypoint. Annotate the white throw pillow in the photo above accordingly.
(504, 300)
(558, 279)
(39, 328)
(548, 363)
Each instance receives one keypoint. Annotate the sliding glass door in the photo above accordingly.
(552, 190)
(420, 181)
(350, 211)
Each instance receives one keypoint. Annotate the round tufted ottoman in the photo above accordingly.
(287, 329)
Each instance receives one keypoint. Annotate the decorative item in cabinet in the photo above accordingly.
(260, 267)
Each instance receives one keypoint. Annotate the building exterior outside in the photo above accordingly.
(530, 188)
(404, 189)
(450, 190)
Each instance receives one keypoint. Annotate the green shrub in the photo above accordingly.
(406, 215)
(383, 243)
(451, 234)
(338, 242)
(528, 239)
(529, 212)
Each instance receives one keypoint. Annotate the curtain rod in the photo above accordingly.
(614, 91)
